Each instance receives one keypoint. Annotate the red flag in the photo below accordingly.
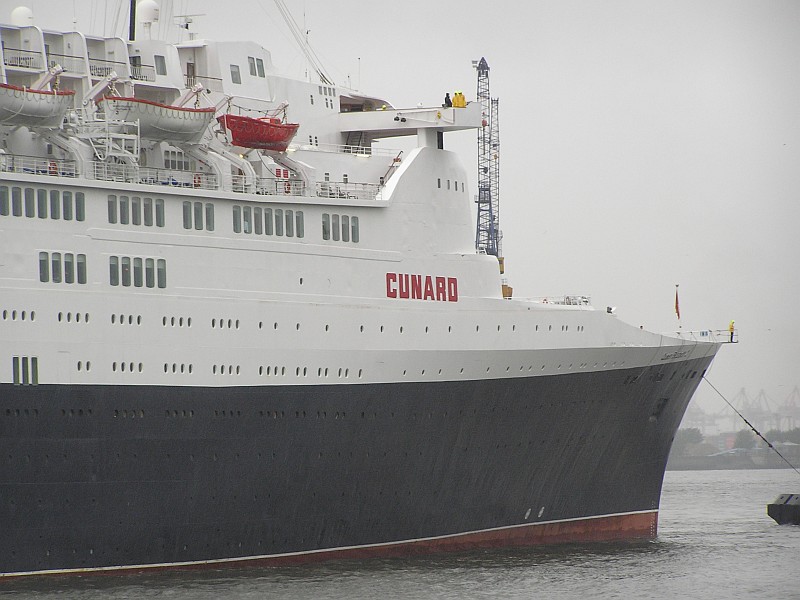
(677, 306)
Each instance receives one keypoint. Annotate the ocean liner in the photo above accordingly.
(285, 350)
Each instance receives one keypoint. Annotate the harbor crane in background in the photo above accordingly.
(488, 236)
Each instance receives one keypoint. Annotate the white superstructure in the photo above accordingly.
(132, 259)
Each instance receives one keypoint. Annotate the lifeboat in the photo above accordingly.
(33, 108)
(266, 133)
(161, 122)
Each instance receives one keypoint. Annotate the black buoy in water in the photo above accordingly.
(785, 509)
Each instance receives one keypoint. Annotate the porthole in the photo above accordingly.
(401, 329)
(359, 373)
(361, 329)
(297, 326)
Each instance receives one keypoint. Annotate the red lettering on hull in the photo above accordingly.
(421, 287)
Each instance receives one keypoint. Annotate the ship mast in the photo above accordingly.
(488, 236)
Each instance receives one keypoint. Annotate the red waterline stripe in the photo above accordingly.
(628, 526)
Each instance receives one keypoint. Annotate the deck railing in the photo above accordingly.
(720, 336)
(352, 191)
(33, 165)
(28, 59)
(70, 64)
(127, 173)
(143, 72)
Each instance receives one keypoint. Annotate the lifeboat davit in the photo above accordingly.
(33, 108)
(266, 133)
(157, 121)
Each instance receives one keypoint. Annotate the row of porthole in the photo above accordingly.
(126, 319)
(69, 317)
(179, 368)
(84, 366)
(221, 369)
(223, 324)
(76, 412)
(125, 413)
(179, 413)
(130, 367)
(22, 412)
(179, 321)
(23, 315)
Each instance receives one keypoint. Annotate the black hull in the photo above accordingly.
(112, 476)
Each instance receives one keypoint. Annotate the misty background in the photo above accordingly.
(643, 143)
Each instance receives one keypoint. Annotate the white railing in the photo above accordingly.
(719, 336)
(143, 72)
(151, 176)
(574, 300)
(28, 59)
(344, 149)
(14, 163)
(70, 64)
(352, 191)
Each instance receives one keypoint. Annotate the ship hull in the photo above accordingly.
(98, 477)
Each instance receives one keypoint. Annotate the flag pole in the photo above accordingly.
(677, 307)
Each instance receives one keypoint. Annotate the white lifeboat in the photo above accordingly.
(162, 122)
(33, 108)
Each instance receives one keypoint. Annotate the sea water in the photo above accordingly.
(715, 541)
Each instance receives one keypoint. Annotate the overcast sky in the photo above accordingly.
(643, 143)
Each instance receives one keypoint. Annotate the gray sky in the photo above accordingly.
(644, 143)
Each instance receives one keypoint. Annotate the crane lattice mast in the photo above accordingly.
(488, 237)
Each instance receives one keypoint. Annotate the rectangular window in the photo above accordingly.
(159, 213)
(161, 64)
(30, 202)
(187, 215)
(209, 216)
(289, 223)
(124, 210)
(136, 210)
(252, 64)
(299, 225)
(81, 268)
(16, 201)
(25, 378)
(4, 200)
(69, 267)
(344, 178)
(161, 268)
(345, 228)
(354, 232)
(278, 221)
(80, 206)
(55, 267)
(55, 204)
(44, 267)
(137, 272)
(150, 272)
(125, 268)
(112, 209)
(247, 217)
(268, 230)
(66, 204)
(326, 226)
(34, 370)
(148, 212)
(335, 227)
(15, 369)
(198, 215)
(237, 219)
(258, 221)
(113, 270)
(41, 203)
(439, 183)
(260, 66)
(235, 76)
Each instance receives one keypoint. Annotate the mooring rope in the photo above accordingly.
(756, 431)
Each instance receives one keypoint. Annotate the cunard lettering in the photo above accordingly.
(406, 286)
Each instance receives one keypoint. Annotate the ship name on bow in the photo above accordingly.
(421, 287)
